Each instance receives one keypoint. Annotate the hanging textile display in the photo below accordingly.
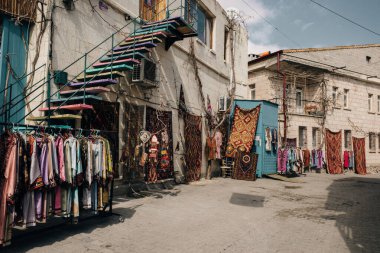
(193, 147)
(274, 139)
(306, 158)
(359, 155)
(211, 147)
(334, 151)
(268, 139)
(134, 122)
(219, 142)
(243, 130)
(245, 166)
(158, 122)
(43, 175)
(153, 158)
(282, 160)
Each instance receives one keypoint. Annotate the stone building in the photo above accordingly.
(333, 87)
(67, 37)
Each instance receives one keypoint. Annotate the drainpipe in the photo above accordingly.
(283, 95)
(51, 69)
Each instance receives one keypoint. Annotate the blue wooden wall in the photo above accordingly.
(14, 46)
(267, 160)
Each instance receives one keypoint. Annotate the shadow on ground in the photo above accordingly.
(356, 202)
(247, 200)
(56, 230)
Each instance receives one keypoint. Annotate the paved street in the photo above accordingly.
(323, 214)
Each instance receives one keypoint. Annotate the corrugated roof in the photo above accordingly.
(329, 48)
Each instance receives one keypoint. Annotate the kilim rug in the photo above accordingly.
(156, 122)
(243, 130)
(334, 152)
(193, 147)
(245, 166)
(359, 155)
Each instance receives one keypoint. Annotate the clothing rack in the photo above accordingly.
(103, 212)
(34, 127)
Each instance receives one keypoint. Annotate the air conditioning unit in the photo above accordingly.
(145, 73)
(224, 103)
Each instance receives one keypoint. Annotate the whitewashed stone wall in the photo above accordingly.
(338, 118)
(79, 30)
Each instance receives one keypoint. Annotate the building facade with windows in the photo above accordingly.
(71, 36)
(337, 88)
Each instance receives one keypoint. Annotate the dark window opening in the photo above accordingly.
(226, 32)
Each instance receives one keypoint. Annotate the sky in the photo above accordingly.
(307, 24)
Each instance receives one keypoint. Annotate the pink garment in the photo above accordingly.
(219, 141)
(320, 159)
(57, 199)
(8, 187)
(282, 158)
(61, 161)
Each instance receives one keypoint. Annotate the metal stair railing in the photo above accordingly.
(135, 20)
(11, 101)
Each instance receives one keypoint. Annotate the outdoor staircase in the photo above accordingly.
(84, 92)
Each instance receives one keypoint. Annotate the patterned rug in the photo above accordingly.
(193, 147)
(334, 152)
(243, 130)
(359, 155)
(156, 122)
(245, 166)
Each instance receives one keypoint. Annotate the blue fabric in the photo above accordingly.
(352, 160)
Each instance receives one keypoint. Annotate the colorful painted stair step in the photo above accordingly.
(128, 61)
(160, 35)
(170, 22)
(75, 98)
(144, 44)
(136, 55)
(137, 41)
(113, 74)
(61, 116)
(103, 82)
(76, 107)
(121, 67)
(132, 50)
(92, 90)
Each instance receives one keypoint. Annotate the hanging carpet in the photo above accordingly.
(334, 151)
(156, 123)
(243, 130)
(359, 154)
(193, 147)
(245, 166)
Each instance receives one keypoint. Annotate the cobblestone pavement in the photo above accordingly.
(325, 213)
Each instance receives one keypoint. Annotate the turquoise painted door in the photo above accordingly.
(13, 56)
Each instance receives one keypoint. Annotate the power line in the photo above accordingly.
(275, 27)
(347, 19)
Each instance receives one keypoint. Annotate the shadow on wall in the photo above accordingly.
(247, 200)
(357, 203)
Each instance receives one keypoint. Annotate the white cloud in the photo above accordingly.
(251, 16)
(306, 26)
(260, 32)
(257, 48)
(297, 22)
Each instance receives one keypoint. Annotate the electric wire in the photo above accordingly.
(274, 27)
(347, 19)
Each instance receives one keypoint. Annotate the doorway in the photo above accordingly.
(153, 10)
